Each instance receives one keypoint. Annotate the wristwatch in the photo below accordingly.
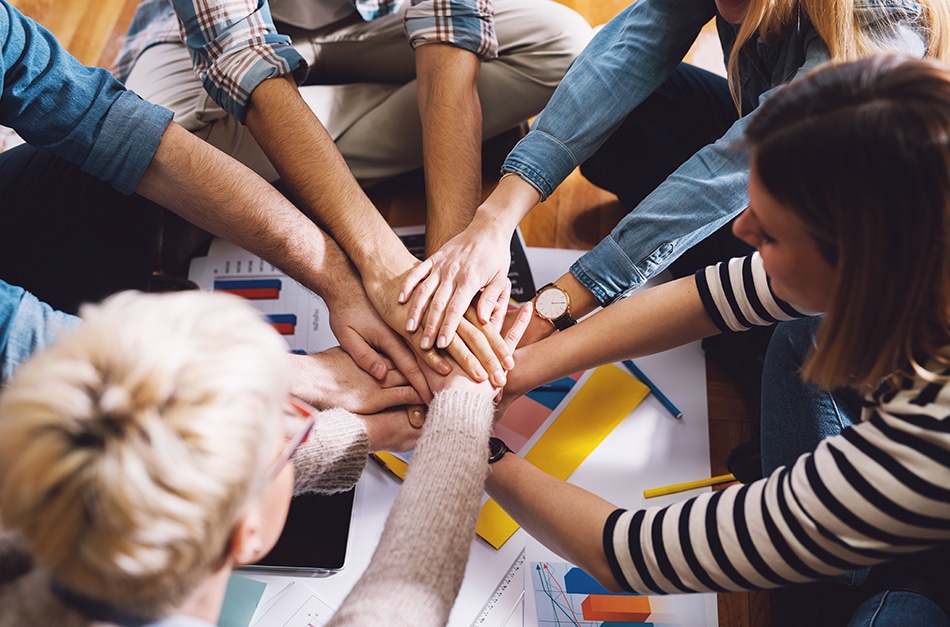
(554, 305)
(496, 449)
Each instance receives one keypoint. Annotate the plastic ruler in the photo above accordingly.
(505, 599)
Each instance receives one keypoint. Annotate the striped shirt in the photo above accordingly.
(878, 490)
(235, 46)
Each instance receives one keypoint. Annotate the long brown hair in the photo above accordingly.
(837, 23)
(860, 151)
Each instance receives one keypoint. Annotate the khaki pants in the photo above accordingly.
(362, 85)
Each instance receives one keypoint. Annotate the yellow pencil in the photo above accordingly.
(689, 485)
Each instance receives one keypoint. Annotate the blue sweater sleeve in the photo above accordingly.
(83, 114)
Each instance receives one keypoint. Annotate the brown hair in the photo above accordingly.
(860, 152)
(839, 26)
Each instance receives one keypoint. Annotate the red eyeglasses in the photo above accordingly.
(299, 418)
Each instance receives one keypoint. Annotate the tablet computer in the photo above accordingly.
(315, 536)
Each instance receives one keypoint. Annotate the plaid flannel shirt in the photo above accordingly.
(235, 46)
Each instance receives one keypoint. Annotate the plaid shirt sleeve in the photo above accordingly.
(233, 44)
(235, 47)
(467, 24)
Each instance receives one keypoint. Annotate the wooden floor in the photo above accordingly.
(577, 215)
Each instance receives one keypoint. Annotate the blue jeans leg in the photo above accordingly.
(897, 608)
(68, 237)
(796, 415)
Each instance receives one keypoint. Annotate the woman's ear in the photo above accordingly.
(247, 544)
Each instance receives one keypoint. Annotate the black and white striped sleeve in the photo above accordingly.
(737, 295)
(876, 491)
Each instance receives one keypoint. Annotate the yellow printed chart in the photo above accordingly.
(586, 414)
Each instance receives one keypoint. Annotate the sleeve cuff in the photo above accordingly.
(130, 135)
(334, 456)
(461, 23)
(552, 164)
(232, 78)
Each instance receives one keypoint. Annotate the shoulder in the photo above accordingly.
(27, 599)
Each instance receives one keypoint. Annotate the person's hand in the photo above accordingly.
(510, 393)
(332, 379)
(458, 380)
(369, 340)
(537, 328)
(478, 348)
(395, 430)
(440, 290)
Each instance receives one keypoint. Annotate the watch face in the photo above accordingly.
(496, 450)
(551, 303)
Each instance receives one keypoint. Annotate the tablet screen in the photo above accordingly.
(315, 536)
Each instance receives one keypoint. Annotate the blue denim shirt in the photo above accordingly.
(26, 326)
(83, 114)
(624, 63)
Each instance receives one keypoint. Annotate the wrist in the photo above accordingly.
(388, 264)
(582, 299)
(509, 203)
(306, 378)
(493, 223)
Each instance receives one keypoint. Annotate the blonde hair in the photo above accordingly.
(838, 24)
(860, 152)
(131, 447)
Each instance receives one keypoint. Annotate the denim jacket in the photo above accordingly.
(624, 63)
(82, 114)
(26, 326)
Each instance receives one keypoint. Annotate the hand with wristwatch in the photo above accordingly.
(553, 303)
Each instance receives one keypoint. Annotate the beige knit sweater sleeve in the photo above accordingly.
(417, 569)
(334, 455)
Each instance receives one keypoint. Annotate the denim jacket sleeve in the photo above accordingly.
(26, 326)
(623, 64)
(709, 189)
(83, 114)
(235, 48)
(466, 24)
(703, 194)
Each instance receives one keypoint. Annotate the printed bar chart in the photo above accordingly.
(299, 315)
(566, 595)
(251, 289)
(285, 324)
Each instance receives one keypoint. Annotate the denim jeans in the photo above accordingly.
(796, 416)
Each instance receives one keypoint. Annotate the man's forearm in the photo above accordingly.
(452, 138)
(218, 194)
(311, 165)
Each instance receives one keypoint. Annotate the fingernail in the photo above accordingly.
(418, 418)
(402, 297)
(410, 325)
(500, 378)
(444, 368)
(426, 343)
(509, 362)
(480, 374)
(443, 341)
